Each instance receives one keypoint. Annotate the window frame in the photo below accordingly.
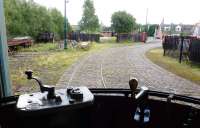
(5, 83)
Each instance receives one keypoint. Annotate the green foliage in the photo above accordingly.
(151, 29)
(184, 34)
(106, 28)
(89, 22)
(123, 22)
(143, 28)
(27, 18)
(138, 28)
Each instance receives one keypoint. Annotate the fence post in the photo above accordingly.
(117, 37)
(181, 49)
(164, 47)
(164, 52)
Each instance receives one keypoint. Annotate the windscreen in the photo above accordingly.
(104, 43)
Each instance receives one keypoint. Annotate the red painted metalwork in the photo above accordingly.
(20, 42)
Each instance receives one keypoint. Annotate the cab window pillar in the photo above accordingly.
(5, 84)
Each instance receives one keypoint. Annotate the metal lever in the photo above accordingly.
(133, 83)
(142, 93)
(43, 88)
(142, 113)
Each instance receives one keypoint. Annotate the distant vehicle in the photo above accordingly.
(26, 41)
(45, 37)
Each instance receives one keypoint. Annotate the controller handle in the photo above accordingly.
(43, 88)
(133, 83)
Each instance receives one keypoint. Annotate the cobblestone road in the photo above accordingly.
(113, 67)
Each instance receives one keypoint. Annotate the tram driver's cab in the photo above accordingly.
(80, 107)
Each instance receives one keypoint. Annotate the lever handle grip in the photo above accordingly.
(43, 88)
(29, 74)
(133, 83)
(142, 93)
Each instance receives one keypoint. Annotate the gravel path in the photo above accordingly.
(113, 67)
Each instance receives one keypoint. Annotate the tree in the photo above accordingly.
(58, 22)
(123, 22)
(27, 18)
(89, 22)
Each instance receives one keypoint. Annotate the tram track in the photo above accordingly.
(136, 70)
(75, 71)
(133, 70)
(81, 66)
(102, 77)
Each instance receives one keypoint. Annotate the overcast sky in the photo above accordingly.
(173, 11)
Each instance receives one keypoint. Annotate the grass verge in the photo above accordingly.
(185, 70)
(40, 47)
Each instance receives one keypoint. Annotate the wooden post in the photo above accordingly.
(5, 83)
(181, 49)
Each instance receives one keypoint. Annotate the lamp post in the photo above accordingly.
(65, 27)
(147, 12)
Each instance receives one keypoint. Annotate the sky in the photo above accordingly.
(172, 11)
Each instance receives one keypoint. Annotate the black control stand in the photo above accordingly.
(54, 100)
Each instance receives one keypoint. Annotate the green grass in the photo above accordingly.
(108, 39)
(40, 47)
(50, 64)
(185, 69)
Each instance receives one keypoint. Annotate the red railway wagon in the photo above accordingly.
(19, 41)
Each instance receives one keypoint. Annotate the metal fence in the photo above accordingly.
(83, 37)
(185, 48)
(195, 51)
(136, 37)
